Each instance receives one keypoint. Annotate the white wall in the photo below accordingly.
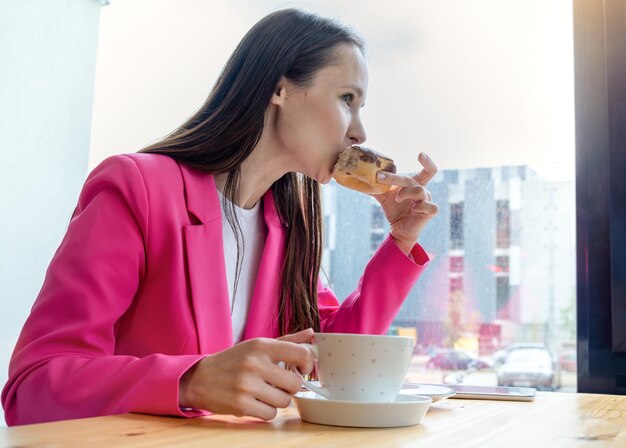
(47, 70)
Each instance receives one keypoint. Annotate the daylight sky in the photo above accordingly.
(470, 82)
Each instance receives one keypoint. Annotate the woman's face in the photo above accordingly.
(314, 124)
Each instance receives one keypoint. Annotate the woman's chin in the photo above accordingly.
(322, 178)
(325, 178)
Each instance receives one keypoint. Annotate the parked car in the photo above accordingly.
(499, 357)
(567, 361)
(530, 367)
(454, 359)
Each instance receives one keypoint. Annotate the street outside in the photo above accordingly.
(418, 373)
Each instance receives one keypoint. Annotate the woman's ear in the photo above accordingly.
(280, 94)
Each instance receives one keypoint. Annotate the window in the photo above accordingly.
(502, 297)
(456, 226)
(503, 224)
(488, 93)
(376, 239)
(378, 217)
(379, 231)
(502, 265)
(456, 285)
(456, 264)
(503, 245)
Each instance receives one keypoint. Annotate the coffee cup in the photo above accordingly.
(357, 367)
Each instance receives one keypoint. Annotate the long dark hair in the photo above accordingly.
(289, 43)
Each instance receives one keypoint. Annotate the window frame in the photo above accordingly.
(600, 108)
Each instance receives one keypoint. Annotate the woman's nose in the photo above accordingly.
(357, 133)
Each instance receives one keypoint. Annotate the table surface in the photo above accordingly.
(553, 419)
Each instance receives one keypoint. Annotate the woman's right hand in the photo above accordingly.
(246, 379)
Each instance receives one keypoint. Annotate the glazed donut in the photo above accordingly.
(357, 168)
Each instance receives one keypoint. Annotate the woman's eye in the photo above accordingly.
(347, 98)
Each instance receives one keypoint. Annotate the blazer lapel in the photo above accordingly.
(263, 313)
(205, 263)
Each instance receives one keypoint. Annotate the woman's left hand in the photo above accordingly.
(407, 205)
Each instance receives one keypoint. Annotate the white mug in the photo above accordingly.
(358, 367)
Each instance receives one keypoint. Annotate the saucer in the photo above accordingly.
(429, 390)
(406, 410)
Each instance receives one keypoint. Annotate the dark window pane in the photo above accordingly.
(502, 264)
(456, 226)
(376, 238)
(503, 224)
(378, 217)
(502, 297)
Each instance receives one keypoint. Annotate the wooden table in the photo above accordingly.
(552, 420)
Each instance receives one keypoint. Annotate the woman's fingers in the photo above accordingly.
(290, 353)
(299, 337)
(246, 379)
(425, 208)
(271, 395)
(415, 193)
(422, 178)
(257, 408)
(282, 378)
(383, 177)
(429, 170)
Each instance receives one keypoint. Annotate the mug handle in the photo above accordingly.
(313, 388)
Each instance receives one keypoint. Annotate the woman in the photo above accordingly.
(147, 308)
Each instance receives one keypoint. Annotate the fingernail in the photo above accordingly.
(425, 156)
(381, 176)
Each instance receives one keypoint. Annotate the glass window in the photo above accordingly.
(456, 284)
(378, 217)
(456, 264)
(502, 264)
(487, 92)
(503, 297)
(494, 109)
(376, 239)
(503, 225)
(456, 226)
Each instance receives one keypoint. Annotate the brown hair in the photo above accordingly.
(288, 43)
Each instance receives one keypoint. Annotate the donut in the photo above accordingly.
(357, 168)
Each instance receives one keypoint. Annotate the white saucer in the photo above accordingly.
(407, 410)
(429, 390)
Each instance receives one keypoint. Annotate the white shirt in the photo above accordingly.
(254, 233)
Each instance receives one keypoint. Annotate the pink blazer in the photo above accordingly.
(136, 294)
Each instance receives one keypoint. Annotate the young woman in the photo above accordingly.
(189, 270)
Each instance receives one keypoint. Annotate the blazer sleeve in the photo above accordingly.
(64, 364)
(372, 306)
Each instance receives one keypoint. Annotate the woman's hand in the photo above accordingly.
(246, 380)
(407, 204)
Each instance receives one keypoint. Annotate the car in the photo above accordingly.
(455, 359)
(530, 367)
(499, 357)
(567, 361)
